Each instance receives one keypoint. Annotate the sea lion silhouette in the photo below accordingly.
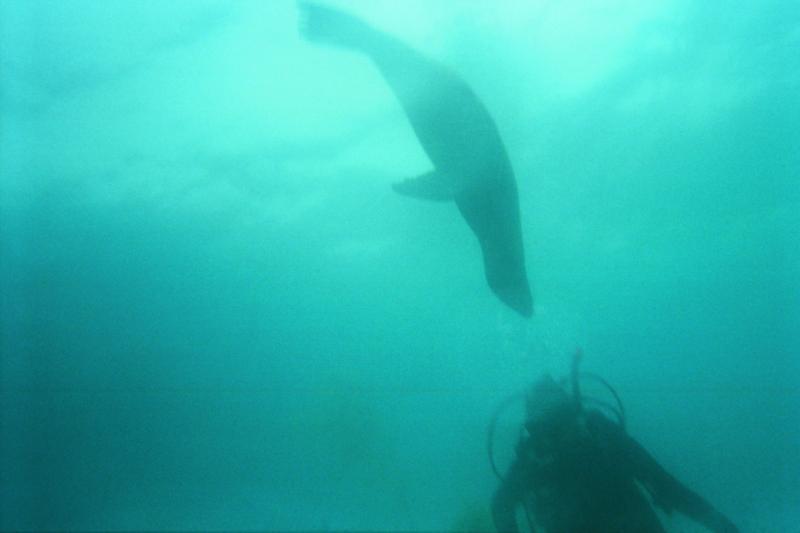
(471, 166)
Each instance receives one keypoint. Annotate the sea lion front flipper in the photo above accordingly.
(429, 186)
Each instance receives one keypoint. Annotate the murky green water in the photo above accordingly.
(216, 314)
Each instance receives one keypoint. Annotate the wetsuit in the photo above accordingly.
(595, 481)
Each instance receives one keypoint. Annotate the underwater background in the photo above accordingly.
(216, 314)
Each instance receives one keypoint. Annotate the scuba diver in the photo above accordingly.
(576, 470)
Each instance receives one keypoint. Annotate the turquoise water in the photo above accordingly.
(216, 314)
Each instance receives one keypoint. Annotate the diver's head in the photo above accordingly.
(548, 407)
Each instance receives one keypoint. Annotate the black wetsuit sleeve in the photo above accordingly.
(507, 497)
(667, 492)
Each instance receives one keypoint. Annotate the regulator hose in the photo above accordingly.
(493, 424)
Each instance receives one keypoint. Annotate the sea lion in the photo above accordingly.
(459, 136)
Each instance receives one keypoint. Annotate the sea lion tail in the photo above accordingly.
(327, 25)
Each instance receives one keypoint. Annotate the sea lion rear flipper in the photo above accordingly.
(323, 24)
(430, 186)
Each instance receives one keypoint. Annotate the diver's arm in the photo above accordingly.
(669, 493)
(506, 499)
